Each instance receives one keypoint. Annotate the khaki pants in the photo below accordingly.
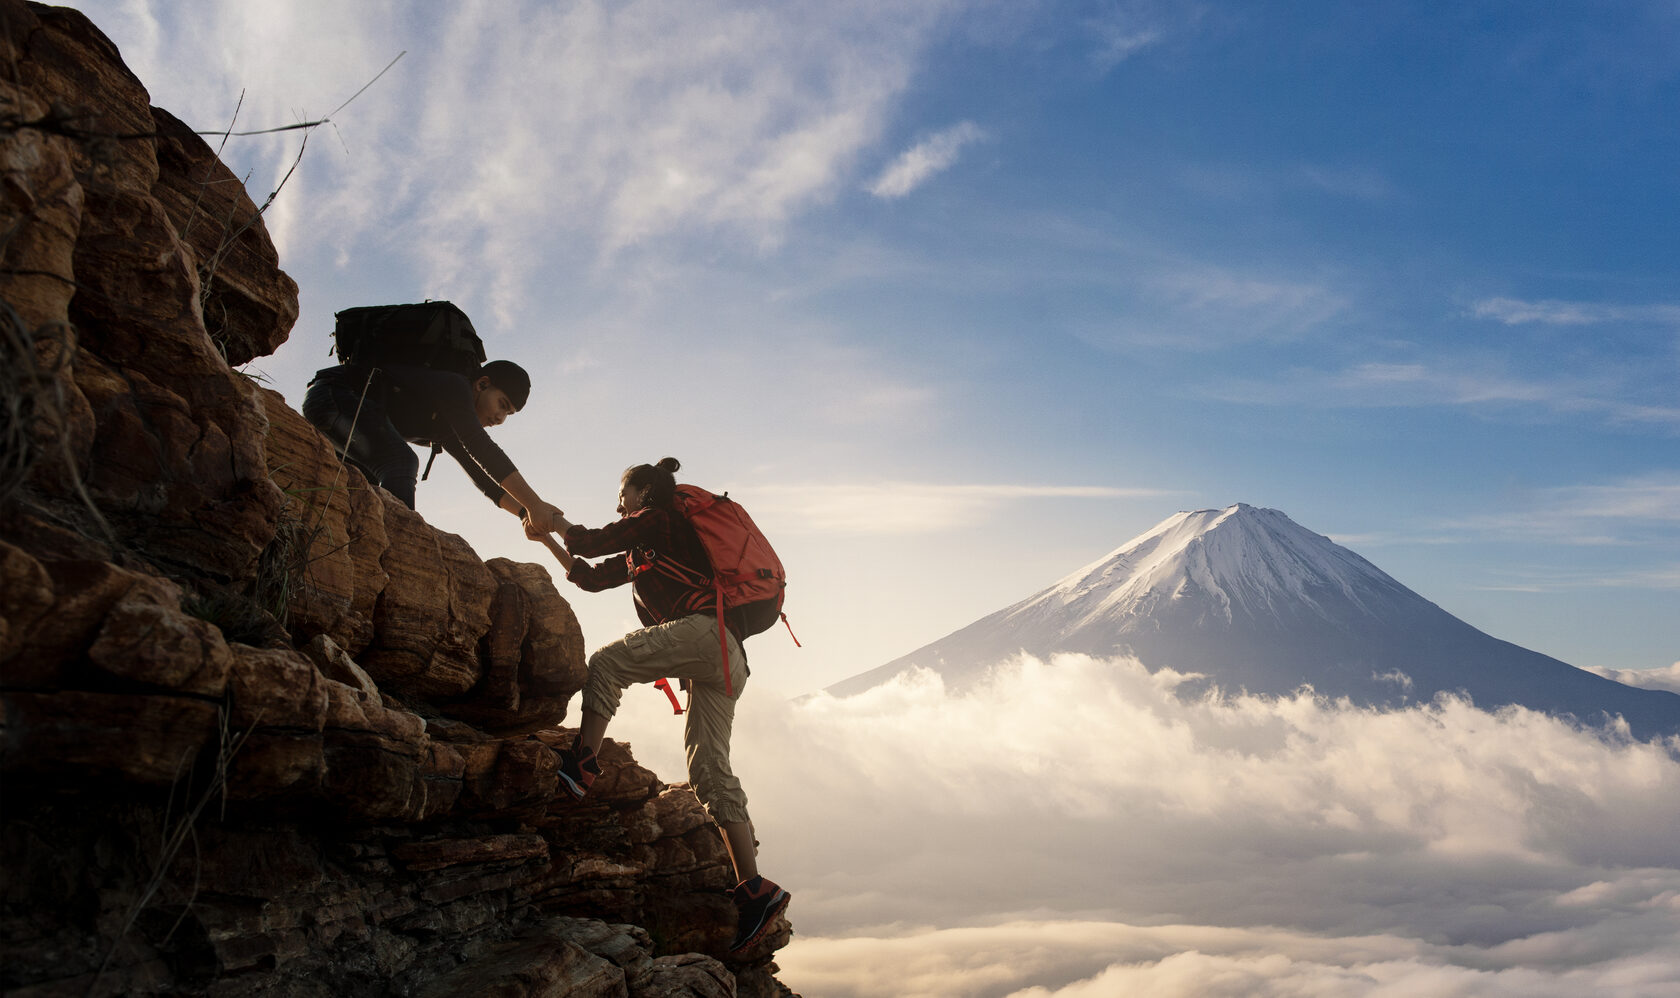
(685, 648)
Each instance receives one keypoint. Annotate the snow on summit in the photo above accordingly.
(1252, 601)
(1241, 556)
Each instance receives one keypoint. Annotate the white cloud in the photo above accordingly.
(1646, 679)
(908, 507)
(1513, 311)
(1077, 827)
(1101, 960)
(930, 156)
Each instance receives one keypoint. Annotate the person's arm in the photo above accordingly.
(589, 578)
(561, 555)
(481, 478)
(512, 493)
(639, 529)
(485, 462)
(595, 578)
(535, 510)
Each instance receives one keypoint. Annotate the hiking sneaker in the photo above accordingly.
(578, 769)
(758, 901)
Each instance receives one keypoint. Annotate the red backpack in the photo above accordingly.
(747, 577)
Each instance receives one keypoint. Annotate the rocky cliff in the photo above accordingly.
(265, 730)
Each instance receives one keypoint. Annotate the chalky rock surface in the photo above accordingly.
(264, 730)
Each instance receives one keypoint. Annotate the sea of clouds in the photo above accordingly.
(1075, 828)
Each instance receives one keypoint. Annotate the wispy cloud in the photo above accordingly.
(1629, 512)
(1122, 29)
(1554, 580)
(1201, 307)
(931, 156)
(1413, 384)
(1357, 183)
(878, 403)
(910, 507)
(514, 138)
(1249, 183)
(1651, 498)
(629, 125)
(1513, 312)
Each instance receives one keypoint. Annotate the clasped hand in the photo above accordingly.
(544, 519)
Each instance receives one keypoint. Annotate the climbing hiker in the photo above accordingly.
(416, 374)
(672, 582)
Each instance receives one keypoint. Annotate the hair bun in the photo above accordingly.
(669, 464)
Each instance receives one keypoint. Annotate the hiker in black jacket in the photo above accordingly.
(372, 421)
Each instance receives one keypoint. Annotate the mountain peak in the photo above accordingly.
(1253, 601)
(1240, 559)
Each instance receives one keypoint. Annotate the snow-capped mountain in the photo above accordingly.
(1254, 601)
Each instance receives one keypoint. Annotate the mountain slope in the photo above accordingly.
(1254, 601)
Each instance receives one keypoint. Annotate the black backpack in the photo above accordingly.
(432, 334)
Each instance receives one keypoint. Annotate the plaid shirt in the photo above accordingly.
(646, 537)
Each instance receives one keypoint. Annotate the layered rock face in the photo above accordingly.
(265, 730)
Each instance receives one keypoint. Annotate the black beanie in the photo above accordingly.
(510, 378)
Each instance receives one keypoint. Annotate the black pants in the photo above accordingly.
(375, 446)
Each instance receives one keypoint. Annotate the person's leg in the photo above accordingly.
(687, 648)
(706, 740)
(739, 840)
(592, 730)
(639, 657)
(363, 433)
(711, 722)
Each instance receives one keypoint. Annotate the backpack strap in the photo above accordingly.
(723, 638)
(688, 576)
(436, 450)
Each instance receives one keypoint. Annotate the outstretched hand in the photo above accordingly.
(541, 516)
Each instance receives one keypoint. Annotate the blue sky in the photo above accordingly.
(960, 296)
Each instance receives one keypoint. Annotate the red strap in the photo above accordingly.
(792, 635)
(665, 684)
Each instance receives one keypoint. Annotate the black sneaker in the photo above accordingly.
(759, 901)
(578, 769)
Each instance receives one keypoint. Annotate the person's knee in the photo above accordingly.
(603, 687)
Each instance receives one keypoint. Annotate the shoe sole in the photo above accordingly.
(573, 787)
(778, 904)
